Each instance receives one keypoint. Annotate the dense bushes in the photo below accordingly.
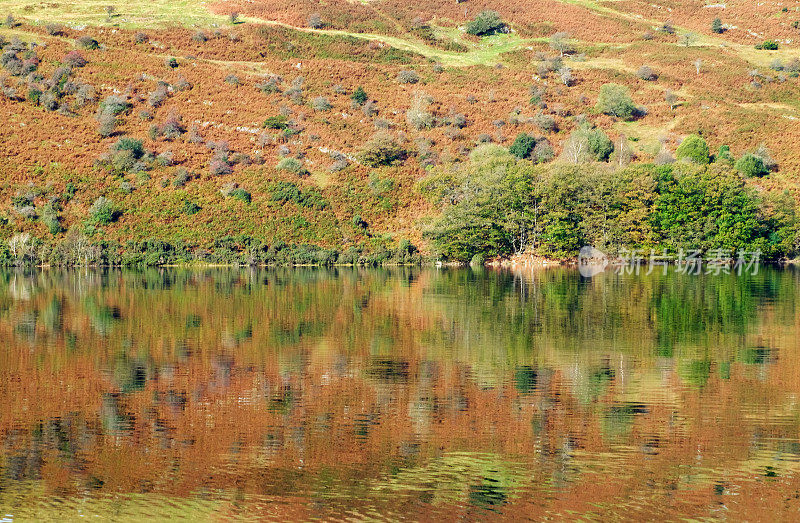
(77, 250)
(408, 77)
(289, 192)
(292, 165)
(496, 205)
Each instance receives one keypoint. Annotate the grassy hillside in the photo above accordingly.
(168, 131)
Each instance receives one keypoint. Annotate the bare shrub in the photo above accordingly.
(408, 76)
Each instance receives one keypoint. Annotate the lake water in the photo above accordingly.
(399, 394)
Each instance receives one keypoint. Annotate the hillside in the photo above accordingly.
(155, 132)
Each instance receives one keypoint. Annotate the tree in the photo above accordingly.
(671, 99)
(768, 45)
(486, 23)
(566, 76)
(694, 149)
(523, 145)
(586, 144)
(488, 206)
(560, 42)
(687, 39)
(716, 26)
(623, 154)
(615, 100)
(576, 148)
(600, 145)
(418, 115)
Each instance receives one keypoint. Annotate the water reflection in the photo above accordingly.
(403, 393)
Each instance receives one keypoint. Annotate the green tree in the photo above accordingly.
(486, 23)
(488, 206)
(600, 145)
(695, 149)
(716, 26)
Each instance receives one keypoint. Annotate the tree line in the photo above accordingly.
(497, 205)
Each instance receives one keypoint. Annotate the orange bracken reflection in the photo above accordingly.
(405, 393)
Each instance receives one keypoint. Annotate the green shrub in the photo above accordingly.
(289, 192)
(693, 148)
(123, 161)
(478, 260)
(615, 100)
(716, 26)
(181, 177)
(545, 123)
(486, 23)
(103, 211)
(359, 96)
(241, 194)
(69, 191)
(34, 95)
(51, 220)
(190, 208)
(136, 147)
(768, 45)
(724, 154)
(523, 145)
(278, 122)
(292, 165)
(320, 103)
(751, 166)
(113, 105)
(600, 145)
(382, 149)
(408, 76)
(87, 42)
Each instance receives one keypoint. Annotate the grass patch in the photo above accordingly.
(130, 14)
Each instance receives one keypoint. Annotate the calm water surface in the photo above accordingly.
(399, 394)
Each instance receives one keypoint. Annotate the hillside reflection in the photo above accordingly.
(403, 393)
